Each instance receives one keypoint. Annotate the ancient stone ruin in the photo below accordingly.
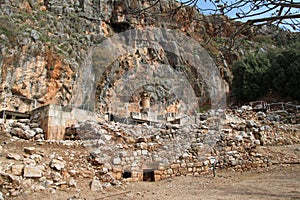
(145, 100)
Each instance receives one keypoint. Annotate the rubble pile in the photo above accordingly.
(108, 154)
(25, 129)
(32, 170)
(174, 150)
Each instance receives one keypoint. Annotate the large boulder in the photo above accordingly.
(28, 134)
(57, 164)
(33, 171)
(96, 185)
(22, 131)
(17, 132)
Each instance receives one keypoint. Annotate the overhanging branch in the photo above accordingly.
(270, 19)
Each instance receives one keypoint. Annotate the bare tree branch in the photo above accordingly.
(271, 19)
(280, 12)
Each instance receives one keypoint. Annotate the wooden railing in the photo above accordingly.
(261, 105)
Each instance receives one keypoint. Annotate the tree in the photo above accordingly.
(250, 77)
(254, 12)
(285, 70)
(283, 13)
(278, 70)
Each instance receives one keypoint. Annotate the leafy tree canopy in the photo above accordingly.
(277, 70)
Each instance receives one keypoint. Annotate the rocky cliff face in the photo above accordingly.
(41, 51)
(46, 44)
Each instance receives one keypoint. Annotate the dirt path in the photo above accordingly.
(277, 182)
(281, 182)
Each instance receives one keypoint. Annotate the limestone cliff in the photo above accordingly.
(46, 44)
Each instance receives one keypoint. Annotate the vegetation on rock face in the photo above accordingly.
(32, 30)
(278, 71)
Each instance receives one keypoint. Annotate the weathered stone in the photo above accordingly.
(257, 142)
(1, 196)
(96, 185)
(107, 137)
(45, 182)
(22, 126)
(28, 134)
(33, 171)
(144, 152)
(157, 177)
(34, 125)
(72, 182)
(8, 178)
(261, 115)
(35, 35)
(39, 137)
(38, 130)
(15, 193)
(175, 166)
(169, 171)
(116, 161)
(17, 132)
(13, 156)
(56, 176)
(239, 138)
(29, 161)
(29, 150)
(72, 172)
(36, 157)
(57, 164)
(185, 155)
(39, 188)
(250, 123)
(17, 170)
(246, 108)
(234, 162)
(25, 121)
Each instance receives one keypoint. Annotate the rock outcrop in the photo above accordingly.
(46, 46)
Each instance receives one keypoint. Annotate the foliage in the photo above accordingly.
(250, 80)
(277, 70)
(285, 71)
(253, 12)
(264, 39)
(8, 29)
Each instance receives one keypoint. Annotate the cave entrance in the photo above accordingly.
(148, 175)
(127, 174)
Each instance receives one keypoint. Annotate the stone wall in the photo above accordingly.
(135, 153)
(54, 119)
(115, 153)
(16, 103)
(24, 129)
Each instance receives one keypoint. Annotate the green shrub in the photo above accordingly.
(277, 70)
(250, 81)
(285, 71)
